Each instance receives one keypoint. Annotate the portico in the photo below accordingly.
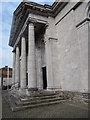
(29, 56)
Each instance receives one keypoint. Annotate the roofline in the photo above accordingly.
(31, 3)
(5, 67)
(27, 6)
(45, 6)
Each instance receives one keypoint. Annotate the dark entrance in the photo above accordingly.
(44, 77)
(27, 79)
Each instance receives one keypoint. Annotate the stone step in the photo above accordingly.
(86, 100)
(39, 97)
(39, 101)
(36, 94)
(9, 99)
(17, 95)
(41, 94)
(20, 102)
(37, 105)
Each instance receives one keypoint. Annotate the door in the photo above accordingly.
(44, 77)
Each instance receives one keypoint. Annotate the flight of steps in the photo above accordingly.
(39, 98)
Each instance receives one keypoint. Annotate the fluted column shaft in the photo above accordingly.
(13, 74)
(31, 57)
(23, 63)
(17, 68)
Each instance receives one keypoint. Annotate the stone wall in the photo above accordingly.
(70, 51)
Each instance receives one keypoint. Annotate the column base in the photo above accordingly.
(54, 89)
(30, 91)
(22, 91)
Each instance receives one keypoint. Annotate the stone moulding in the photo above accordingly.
(34, 20)
(30, 7)
(85, 20)
(50, 38)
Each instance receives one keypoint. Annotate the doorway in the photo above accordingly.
(44, 77)
(26, 79)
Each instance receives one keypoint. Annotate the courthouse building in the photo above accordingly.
(50, 46)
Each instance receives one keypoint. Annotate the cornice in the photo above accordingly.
(26, 7)
(45, 10)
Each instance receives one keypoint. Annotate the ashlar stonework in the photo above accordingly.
(50, 46)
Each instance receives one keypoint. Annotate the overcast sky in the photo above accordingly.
(7, 8)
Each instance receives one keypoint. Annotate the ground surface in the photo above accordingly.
(62, 110)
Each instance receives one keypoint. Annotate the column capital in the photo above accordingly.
(22, 35)
(17, 45)
(31, 21)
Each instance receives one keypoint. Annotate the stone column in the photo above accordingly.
(48, 51)
(31, 58)
(23, 64)
(17, 68)
(13, 74)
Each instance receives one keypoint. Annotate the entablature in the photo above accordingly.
(24, 9)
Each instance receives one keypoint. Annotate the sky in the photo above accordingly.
(7, 7)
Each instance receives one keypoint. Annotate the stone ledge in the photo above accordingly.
(77, 96)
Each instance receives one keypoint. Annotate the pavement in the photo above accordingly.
(68, 109)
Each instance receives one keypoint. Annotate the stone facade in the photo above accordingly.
(50, 46)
